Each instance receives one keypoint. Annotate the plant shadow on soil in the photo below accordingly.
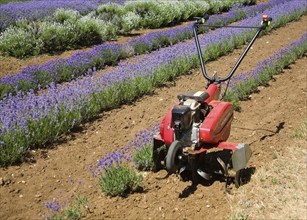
(42, 149)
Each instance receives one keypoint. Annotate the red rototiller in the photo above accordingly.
(199, 125)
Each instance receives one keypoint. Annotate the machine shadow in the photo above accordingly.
(279, 127)
(210, 164)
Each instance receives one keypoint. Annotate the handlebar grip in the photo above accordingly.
(266, 21)
(266, 18)
(201, 20)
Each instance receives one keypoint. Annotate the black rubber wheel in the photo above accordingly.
(239, 178)
(172, 160)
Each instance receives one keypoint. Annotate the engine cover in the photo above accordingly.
(216, 126)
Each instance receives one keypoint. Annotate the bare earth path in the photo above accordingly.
(25, 189)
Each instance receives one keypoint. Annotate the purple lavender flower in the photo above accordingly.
(48, 205)
(56, 207)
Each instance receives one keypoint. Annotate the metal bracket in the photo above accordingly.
(241, 156)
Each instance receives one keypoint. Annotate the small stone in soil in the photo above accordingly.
(1, 181)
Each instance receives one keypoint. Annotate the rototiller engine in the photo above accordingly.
(200, 123)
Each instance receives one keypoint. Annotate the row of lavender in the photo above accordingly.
(38, 10)
(68, 29)
(35, 120)
(60, 70)
(140, 149)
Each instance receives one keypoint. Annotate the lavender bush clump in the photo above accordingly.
(38, 10)
(51, 36)
(116, 177)
(116, 157)
(218, 6)
(36, 77)
(142, 149)
(31, 119)
(73, 207)
(16, 42)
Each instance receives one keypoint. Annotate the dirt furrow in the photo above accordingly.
(264, 122)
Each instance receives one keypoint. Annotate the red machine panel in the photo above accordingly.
(166, 130)
(214, 92)
(216, 126)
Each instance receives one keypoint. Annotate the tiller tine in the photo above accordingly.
(223, 165)
(204, 175)
(158, 154)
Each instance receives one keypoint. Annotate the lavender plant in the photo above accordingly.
(143, 158)
(94, 30)
(31, 119)
(142, 150)
(115, 176)
(65, 211)
(17, 42)
(60, 70)
(73, 207)
(61, 15)
(39, 10)
(56, 36)
(130, 21)
(51, 36)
